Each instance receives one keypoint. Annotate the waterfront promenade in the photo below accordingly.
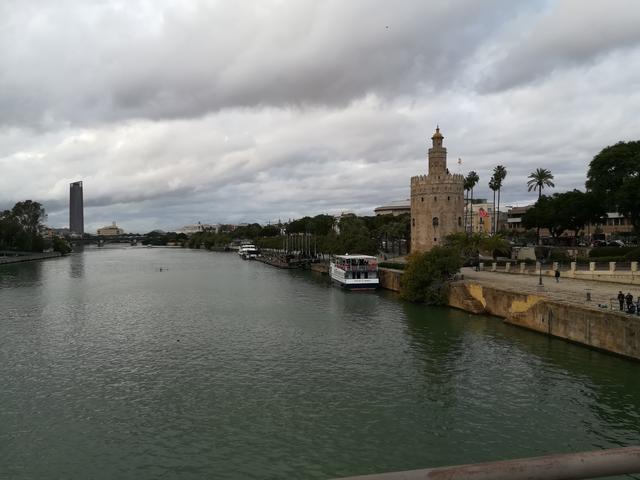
(18, 257)
(567, 290)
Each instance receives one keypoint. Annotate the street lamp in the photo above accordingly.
(540, 277)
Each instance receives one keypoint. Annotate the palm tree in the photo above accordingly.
(470, 182)
(500, 173)
(539, 179)
(467, 190)
(496, 245)
(493, 185)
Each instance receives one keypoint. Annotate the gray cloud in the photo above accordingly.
(79, 62)
(173, 113)
(569, 33)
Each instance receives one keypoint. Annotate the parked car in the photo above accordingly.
(615, 243)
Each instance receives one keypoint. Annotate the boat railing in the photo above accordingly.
(359, 268)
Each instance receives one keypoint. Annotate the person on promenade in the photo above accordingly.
(629, 299)
(557, 274)
(621, 300)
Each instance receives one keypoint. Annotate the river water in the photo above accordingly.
(136, 363)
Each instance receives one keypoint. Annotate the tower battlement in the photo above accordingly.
(428, 179)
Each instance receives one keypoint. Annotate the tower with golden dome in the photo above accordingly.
(437, 200)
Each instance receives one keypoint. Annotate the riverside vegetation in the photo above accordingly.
(21, 230)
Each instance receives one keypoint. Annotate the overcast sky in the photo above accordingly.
(174, 112)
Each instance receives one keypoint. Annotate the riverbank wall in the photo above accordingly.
(607, 330)
(27, 257)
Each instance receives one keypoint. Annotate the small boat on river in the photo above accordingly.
(355, 272)
(248, 251)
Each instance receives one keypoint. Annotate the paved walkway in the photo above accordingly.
(568, 289)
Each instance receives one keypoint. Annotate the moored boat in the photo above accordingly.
(355, 272)
(248, 251)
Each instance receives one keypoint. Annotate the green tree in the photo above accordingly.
(565, 211)
(499, 174)
(427, 274)
(493, 185)
(539, 179)
(470, 181)
(614, 176)
(60, 245)
(20, 227)
(542, 214)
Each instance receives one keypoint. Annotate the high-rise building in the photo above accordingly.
(76, 209)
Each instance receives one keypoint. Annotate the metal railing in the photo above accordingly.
(569, 466)
(358, 268)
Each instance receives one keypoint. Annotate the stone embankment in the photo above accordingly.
(557, 309)
(605, 329)
(26, 257)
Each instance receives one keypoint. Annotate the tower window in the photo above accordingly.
(435, 199)
(422, 199)
(448, 198)
(435, 221)
(459, 221)
(413, 222)
(435, 240)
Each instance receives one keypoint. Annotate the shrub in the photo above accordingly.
(610, 251)
(394, 265)
(61, 245)
(559, 256)
(633, 255)
(426, 275)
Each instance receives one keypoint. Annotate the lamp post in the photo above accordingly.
(540, 277)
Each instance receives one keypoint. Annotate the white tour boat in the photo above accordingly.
(355, 272)
(248, 251)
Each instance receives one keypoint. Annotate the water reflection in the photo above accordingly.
(76, 264)
(19, 275)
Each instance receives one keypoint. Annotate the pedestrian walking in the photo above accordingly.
(621, 300)
(629, 299)
(557, 274)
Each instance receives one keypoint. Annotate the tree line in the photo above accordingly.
(22, 228)
(612, 185)
(366, 235)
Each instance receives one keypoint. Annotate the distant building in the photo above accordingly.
(76, 209)
(199, 227)
(514, 217)
(480, 217)
(339, 217)
(437, 201)
(111, 231)
(615, 223)
(394, 208)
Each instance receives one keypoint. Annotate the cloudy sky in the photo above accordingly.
(174, 112)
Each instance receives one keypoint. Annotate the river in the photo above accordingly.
(140, 363)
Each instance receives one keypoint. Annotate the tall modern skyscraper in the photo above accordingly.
(76, 209)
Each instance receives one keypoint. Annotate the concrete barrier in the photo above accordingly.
(567, 466)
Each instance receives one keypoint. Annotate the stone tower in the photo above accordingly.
(437, 201)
